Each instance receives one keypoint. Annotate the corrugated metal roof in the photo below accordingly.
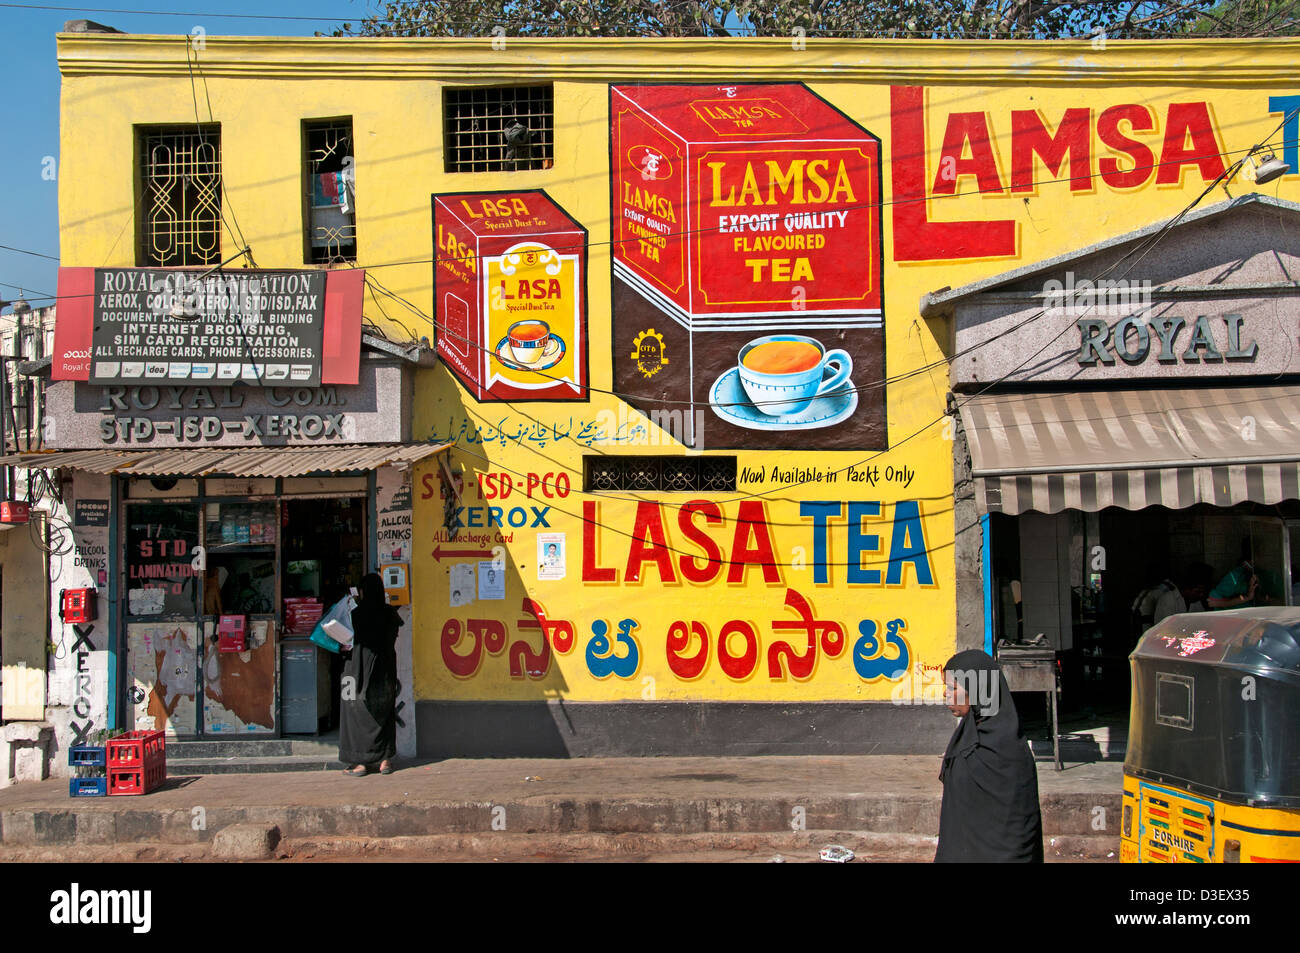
(241, 461)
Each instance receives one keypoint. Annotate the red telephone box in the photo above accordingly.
(232, 633)
(77, 605)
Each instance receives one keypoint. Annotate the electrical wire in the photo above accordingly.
(24, 251)
(867, 206)
(1151, 242)
(225, 193)
(1142, 250)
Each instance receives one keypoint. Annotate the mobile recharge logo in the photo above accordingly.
(76, 906)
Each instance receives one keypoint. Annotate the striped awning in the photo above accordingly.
(239, 462)
(1134, 448)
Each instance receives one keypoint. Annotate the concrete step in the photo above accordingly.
(787, 847)
(1085, 746)
(258, 764)
(342, 807)
(252, 748)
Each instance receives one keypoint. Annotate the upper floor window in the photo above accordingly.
(179, 195)
(330, 194)
(498, 128)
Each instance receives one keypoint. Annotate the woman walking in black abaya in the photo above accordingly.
(368, 725)
(990, 783)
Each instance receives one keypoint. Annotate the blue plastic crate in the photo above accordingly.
(88, 787)
(87, 756)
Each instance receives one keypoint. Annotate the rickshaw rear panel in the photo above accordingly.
(1213, 766)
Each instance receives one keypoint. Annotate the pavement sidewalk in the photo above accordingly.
(878, 795)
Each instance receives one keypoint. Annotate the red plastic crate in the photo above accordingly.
(125, 781)
(137, 749)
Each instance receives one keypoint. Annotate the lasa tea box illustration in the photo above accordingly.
(747, 286)
(510, 288)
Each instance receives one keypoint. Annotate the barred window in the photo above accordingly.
(498, 128)
(330, 192)
(180, 195)
(663, 474)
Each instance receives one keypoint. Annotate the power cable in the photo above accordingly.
(686, 233)
(1144, 248)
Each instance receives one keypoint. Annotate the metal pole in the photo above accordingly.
(7, 480)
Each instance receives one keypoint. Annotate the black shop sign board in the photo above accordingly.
(90, 513)
(158, 326)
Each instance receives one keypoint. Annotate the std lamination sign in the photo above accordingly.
(257, 327)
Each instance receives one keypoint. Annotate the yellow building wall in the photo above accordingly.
(871, 641)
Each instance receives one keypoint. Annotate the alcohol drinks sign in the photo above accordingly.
(264, 328)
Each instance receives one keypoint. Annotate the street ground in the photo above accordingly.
(884, 808)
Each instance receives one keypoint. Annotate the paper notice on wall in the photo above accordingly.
(491, 580)
(462, 584)
(550, 555)
(146, 601)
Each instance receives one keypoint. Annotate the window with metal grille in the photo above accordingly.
(180, 195)
(663, 474)
(329, 192)
(498, 129)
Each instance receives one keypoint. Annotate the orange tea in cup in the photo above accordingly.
(529, 331)
(529, 340)
(783, 357)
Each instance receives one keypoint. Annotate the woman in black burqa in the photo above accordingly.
(990, 784)
(368, 725)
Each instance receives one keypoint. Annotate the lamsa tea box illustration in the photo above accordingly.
(746, 219)
(510, 289)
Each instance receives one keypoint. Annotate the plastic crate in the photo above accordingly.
(128, 781)
(87, 787)
(137, 749)
(87, 756)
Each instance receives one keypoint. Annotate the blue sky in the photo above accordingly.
(29, 78)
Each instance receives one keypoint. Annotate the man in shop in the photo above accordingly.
(1238, 587)
(1186, 596)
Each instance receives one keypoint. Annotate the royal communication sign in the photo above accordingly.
(152, 326)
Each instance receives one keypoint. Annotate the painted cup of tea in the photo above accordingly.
(784, 373)
(530, 341)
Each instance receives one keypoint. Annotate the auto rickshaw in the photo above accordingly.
(1213, 766)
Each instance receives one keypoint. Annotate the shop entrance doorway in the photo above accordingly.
(322, 559)
(222, 596)
(1076, 578)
